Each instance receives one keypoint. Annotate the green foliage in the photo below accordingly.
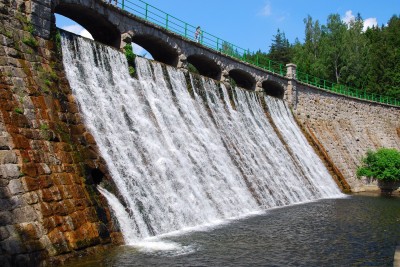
(132, 71)
(192, 68)
(57, 40)
(228, 49)
(19, 111)
(383, 164)
(346, 54)
(280, 49)
(44, 127)
(130, 57)
(30, 41)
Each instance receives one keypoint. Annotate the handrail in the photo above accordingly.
(344, 89)
(157, 16)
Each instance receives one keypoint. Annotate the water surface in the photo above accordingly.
(353, 231)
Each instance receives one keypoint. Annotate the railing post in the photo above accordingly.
(147, 8)
(217, 44)
(186, 29)
(123, 4)
(166, 22)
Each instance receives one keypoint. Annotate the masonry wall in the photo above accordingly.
(347, 128)
(49, 205)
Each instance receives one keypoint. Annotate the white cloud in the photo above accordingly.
(266, 10)
(86, 34)
(349, 17)
(138, 50)
(79, 30)
(369, 23)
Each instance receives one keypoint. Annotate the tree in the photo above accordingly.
(355, 54)
(383, 165)
(280, 49)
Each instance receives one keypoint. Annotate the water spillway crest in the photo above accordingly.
(182, 149)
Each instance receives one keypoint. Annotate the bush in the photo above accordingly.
(130, 56)
(384, 165)
(31, 42)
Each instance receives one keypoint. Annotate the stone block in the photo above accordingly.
(28, 231)
(45, 210)
(30, 198)
(4, 234)
(43, 168)
(8, 157)
(58, 208)
(30, 184)
(12, 246)
(25, 214)
(30, 169)
(40, 10)
(5, 143)
(5, 218)
(11, 203)
(15, 186)
(58, 241)
(9, 171)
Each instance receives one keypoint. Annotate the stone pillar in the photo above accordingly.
(182, 61)
(291, 92)
(259, 88)
(126, 38)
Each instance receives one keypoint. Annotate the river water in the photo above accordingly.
(352, 231)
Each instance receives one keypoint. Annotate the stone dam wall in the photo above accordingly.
(346, 128)
(49, 163)
(49, 205)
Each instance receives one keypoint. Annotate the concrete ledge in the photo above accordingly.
(396, 262)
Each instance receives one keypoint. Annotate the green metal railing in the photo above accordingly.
(344, 89)
(173, 24)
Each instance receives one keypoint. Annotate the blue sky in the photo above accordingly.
(251, 24)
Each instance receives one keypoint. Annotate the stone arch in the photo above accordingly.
(95, 23)
(273, 88)
(243, 79)
(158, 48)
(206, 66)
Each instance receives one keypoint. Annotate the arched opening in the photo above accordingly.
(159, 50)
(205, 66)
(243, 79)
(273, 89)
(71, 26)
(97, 25)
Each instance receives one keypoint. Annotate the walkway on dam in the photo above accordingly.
(169, 22)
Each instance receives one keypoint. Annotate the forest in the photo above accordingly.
(344, 53)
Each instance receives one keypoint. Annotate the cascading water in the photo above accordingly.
(181, 151)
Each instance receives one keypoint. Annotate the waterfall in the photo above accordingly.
(182, 149)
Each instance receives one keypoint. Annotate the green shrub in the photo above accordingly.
(130, 56)
(19, 111)
(132, 71)
(31, 42)
(192, 68)
(383, 164)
